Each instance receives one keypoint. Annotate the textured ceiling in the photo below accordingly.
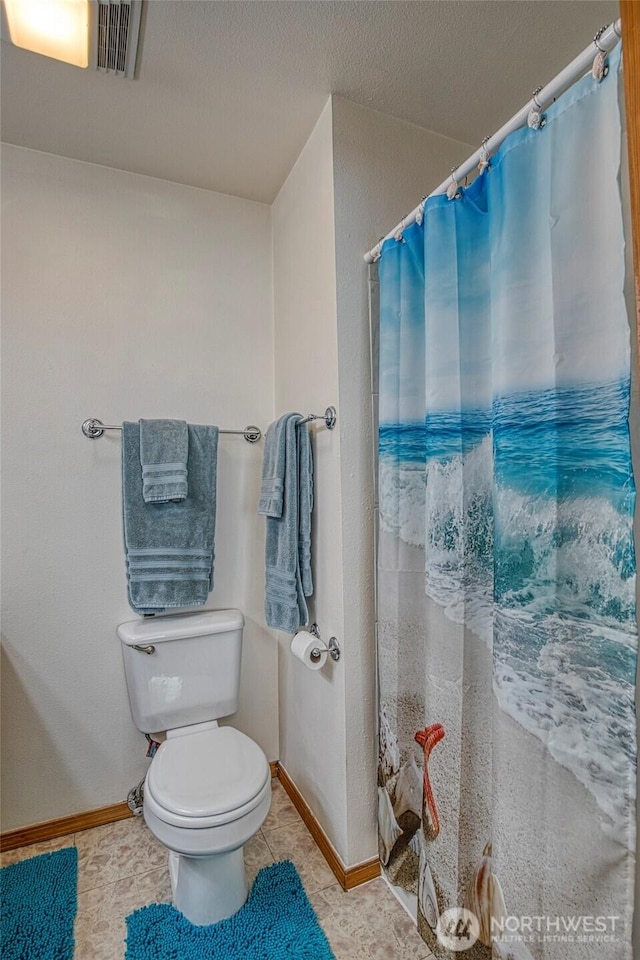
(227, 92)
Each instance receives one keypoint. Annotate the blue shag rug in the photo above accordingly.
(39, 903)
(276, 923)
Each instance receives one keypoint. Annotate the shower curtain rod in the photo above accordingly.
(574, 71)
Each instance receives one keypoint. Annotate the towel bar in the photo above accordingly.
(93, 428)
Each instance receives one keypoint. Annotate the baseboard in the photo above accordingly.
(347, 877)
(51, 829)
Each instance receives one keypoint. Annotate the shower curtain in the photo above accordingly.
(506, 571)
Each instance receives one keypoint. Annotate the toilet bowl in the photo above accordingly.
(208, 789)
(207, 793)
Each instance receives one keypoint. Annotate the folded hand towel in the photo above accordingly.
(170, 546)
(164, 448)
(288, 539)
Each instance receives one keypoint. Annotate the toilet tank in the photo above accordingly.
(182, 669)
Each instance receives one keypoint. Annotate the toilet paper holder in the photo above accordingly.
(332, 648)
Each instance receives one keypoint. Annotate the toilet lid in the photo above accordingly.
(208, 773)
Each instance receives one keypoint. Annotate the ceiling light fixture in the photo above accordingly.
(53, 28)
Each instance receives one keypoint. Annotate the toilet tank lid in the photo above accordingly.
(157, 629)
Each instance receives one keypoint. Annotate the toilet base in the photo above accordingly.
(208, 889)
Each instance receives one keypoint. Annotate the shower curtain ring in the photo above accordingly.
(536, 118)
(596, 39)
(600, 67)
(484, 162)
(453, 191)
(420, 213)
(399, 234)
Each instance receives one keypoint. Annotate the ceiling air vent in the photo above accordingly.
(115, 26)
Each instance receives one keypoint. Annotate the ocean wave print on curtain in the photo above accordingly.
(506, 601)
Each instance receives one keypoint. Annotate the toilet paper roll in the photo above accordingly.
(302, 645)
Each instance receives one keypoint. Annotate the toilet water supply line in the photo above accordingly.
(590, 60)
(135, 797)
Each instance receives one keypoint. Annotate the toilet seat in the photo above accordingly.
(208, 778)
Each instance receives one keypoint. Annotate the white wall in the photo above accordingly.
(382, 167)
(357, 174)
(313, 748)
(122, 297)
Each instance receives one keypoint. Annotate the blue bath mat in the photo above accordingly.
(276, 923)
(39, 903)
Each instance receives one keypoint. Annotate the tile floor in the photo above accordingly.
(122, 867)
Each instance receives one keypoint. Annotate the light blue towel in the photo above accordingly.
(305, 493)
(289, 468)
(272, 487)
(170, 546)
(164, 449)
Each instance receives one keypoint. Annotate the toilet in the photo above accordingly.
(208, 789)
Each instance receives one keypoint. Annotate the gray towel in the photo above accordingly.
(288, 540)
(272, 487)
(164, 448)
(170, 546)
(305, 492)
